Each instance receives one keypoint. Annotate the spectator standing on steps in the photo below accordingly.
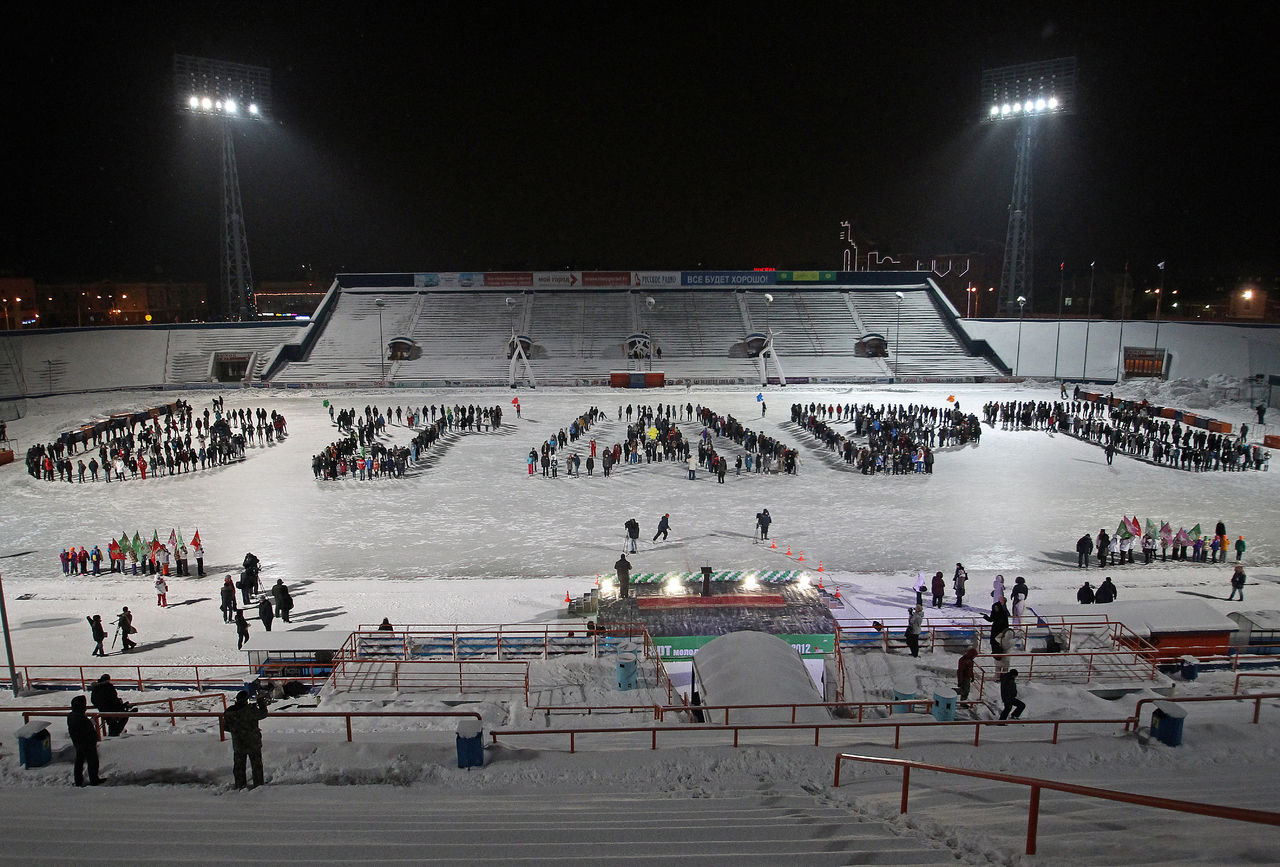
(241, 721)
(915, 620)
(964, 672)
(1009, 695)
(84, 735)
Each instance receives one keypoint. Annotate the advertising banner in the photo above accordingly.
(460, 279)
(806, 276)
(556, 279)
(606, 278)
(728, 278)
(674, 647)
(422, 281)
(655, 279)
(508, 278)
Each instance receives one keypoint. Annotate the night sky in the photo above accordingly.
(474, 136)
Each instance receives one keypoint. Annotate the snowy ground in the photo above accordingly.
(472, 539)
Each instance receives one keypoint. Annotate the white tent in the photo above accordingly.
(756, 668)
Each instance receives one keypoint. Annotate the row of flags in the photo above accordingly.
(140, 549)
(1129, 528)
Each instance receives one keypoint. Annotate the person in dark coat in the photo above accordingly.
(1106, 592)
(105, 699)
(763, 520)
(964, 672)
(1084, 548)
(958, 583)
(385, 626)
(664, 526)
(939, 588)
(623, 566)
(265, 614)
(1009, 695)
(242, 630)
(99, 634)
(125, 624)
(228, 600)
(284, 602)
(84, 736)
(241, 722)
(1104, 547)
(999, 619)
(1086, 595)
(633, 532)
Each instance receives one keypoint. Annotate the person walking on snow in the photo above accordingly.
(162, 591)
(125, 624)
(265, 614)
(99, 634)
(1237, 584)
(1009, 695)
(242, 630)
(964, 672)
(663, 527)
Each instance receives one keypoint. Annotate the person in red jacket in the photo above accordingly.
(964, 672)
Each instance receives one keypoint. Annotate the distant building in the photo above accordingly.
(287, 298)
(90, 305)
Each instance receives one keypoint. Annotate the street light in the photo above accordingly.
(1088, 320)
(1159, 292)
(8, 643)
(968, 300)
(897, 333)
(1017, 361)
(231, 92)
(1062, 271)
(382, 352)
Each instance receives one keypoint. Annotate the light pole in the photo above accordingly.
(1159, 292)
(8, 643)
(897, 334)
(968, 300)
(382, 352)
(1088, 320)
(1017, 361)
(1062, 268)
(649, 304)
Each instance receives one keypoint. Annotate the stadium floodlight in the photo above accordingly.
(1025, 92)
(218, 88)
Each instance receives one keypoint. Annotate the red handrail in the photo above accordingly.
(1265, 817)
(817, 729)
(910, 704)
(1241, 674)
(1256, 698)
(97, 716)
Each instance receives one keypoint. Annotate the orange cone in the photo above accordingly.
(820, 587)
(837, 592)
(773, 545)
(567, 597)
(801, 558)
(819, 565)
(788, 550)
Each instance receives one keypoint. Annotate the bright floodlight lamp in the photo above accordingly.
(1024, 93)
(217, 88)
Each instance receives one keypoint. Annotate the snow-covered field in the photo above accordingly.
(473, 539)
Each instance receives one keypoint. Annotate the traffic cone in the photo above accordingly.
(773, 545)
(820, 587)
(819, 565)
(801, 558)
(837, 592)
(567, 597)
(788, 550)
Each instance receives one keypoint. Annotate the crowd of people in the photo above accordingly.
(360, 455)
(175, 442)
(1117, 549)
(898, 439)
(1134, 429)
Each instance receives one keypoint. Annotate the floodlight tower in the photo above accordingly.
(231, 92)
(1024, 93)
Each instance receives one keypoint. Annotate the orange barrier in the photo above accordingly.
(916, 705)
(1236, 687)
(144, 677)
(1264, 817)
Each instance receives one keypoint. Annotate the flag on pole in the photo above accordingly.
(195, 540)
(1195, 532)
(1122, 531)
(1135, 529)
(181, 544)
(137, 546)
(760, 397)
(1152, 529)
(173, 539)
(1166, 532)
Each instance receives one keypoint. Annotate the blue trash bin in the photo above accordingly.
(470, 744)
(944, 708)
(35, 747)
(900, 693)
(1166, 723)
(1190, 668)
(626, 669)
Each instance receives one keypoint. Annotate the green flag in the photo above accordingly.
(1195, 532)
(137, 545)
(1123, 531)
(1152, 529)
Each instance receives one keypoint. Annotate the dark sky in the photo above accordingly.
(441, 136)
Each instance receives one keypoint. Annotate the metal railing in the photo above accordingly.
(911, 705)
(1265, 817)
(463, 675)
(816, 728)
(347, 715)
(1268, 674)
(143, 677)
(1256, 698)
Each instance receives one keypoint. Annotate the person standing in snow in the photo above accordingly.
(1106, 592)
(242, 630)
(1237, 583)
(632, 526)
(915, 620)
(763, 520)
(198, 551)
(125, 624)
(999, 620)
(964, 672)
(241, 720)
(84, 736)
(997, 588)
(939, 588)
(228, 600)
(958, 583)
(664, 526)
(162, 592)
(1086, 595)
(1084, 551)
(1103, 547)
(284, 602)
(265, 614)
(623, 567)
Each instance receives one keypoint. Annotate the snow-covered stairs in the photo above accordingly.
(382, 824)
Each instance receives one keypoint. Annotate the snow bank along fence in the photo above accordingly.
(1264, 817)
(173, 715)
(1256, 698)
(817, 728)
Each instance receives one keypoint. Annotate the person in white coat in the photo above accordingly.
(162, 592)
(997, 587)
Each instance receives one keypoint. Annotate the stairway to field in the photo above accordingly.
(384, 824)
